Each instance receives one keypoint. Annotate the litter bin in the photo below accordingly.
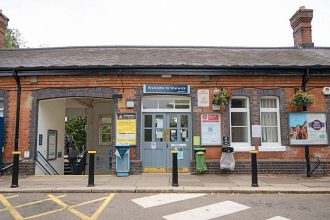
(122, 160)
(227, 161)
(200, 154)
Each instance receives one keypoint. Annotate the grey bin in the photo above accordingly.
(227, 160)
(122, 160)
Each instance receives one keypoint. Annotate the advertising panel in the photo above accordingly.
(125, 129)
(308, 128)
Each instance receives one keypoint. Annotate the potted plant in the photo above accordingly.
(221, 99)
(301, 98)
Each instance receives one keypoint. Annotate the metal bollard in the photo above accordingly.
(14, 180)
(254, 168)
(175, 168)
(91, 169)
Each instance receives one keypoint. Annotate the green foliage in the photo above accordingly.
(222, 98)
(76, 126)
(13, 39)
(301, 98)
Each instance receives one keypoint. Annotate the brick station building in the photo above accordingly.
(169, 92)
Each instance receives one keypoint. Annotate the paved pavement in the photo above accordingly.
(158, 183)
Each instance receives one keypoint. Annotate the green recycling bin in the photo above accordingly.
(200, 154)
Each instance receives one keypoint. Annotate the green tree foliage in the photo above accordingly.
(13, 39)
(76, 126)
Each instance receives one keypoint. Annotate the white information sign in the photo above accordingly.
(256, 131)
(203, 96)
(211, 129)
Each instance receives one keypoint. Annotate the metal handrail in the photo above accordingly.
(43, 167)
(8, 166)
(46, 162)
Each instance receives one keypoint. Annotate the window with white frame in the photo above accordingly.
(2, 106)
(240, 123)
(270, 122)
(105, 130)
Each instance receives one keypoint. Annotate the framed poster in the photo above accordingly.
(210, 129)
(203, 98)
(51, 144)
(308, 128)
(125, 129)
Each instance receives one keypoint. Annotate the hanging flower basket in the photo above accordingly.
(221, 99)
(301, 98)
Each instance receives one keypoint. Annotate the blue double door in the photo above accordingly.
(161, 133)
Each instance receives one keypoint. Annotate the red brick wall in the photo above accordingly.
(127, 85)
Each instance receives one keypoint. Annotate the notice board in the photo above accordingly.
(211, 129)
(125, 129)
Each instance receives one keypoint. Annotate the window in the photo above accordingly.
(166, 104)
(240, 123)
(105, 130)
(2, 106)
(270, 124)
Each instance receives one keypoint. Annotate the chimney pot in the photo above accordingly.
(301, 23)
(3, 26)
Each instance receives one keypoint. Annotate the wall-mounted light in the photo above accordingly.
(33, 79)
(117, 96)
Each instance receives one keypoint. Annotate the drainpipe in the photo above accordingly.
(305, 79)
(16, 153)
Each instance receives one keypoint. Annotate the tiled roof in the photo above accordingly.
(163, 57)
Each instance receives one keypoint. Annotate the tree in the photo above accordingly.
(13, 39)
(76, 126)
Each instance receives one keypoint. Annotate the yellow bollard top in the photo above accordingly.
(92, 152)
(253, 151)
(174, 151)
(16, 152)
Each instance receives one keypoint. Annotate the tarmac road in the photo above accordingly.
(122, 206)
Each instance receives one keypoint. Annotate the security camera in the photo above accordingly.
(326, 90)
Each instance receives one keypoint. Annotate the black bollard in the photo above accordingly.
(254, 168)
(14, 180)
(308, 161)
(91, 169)
(175, 168)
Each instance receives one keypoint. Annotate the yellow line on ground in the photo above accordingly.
(36, 202)
(10, 208)
(85, 203)
(66, 206)
(45, 213)
(102, 207)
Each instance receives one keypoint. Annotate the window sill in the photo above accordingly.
(272, 148)
(242, 148)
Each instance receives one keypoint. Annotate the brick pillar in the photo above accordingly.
(3, 26)
(301, 23)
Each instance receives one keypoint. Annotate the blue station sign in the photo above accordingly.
(166, 89)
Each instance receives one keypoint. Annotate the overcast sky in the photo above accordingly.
(263, 23)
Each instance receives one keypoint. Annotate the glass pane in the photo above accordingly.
(268, 103)
(269, 134)
(184, 121)
(168, 104)
(184, 135)
(147, 104)
(182, 104)
(1, 104)
(174, 135)
(268, 119)
(173, 121)
(148, 135)
(106, 129)
(159, 135)
(238, 103)
(106, 120)
(159, 121)
(239, 119)
(239, 134)
(148, 121)
(106, 138)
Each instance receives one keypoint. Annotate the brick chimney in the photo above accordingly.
(301, 23)
(3, 26)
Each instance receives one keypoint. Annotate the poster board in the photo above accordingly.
(203, 98)
(210, 129)
(308, 128)
(125, 129)
(51, 144)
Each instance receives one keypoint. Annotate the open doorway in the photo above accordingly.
(67, 129)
